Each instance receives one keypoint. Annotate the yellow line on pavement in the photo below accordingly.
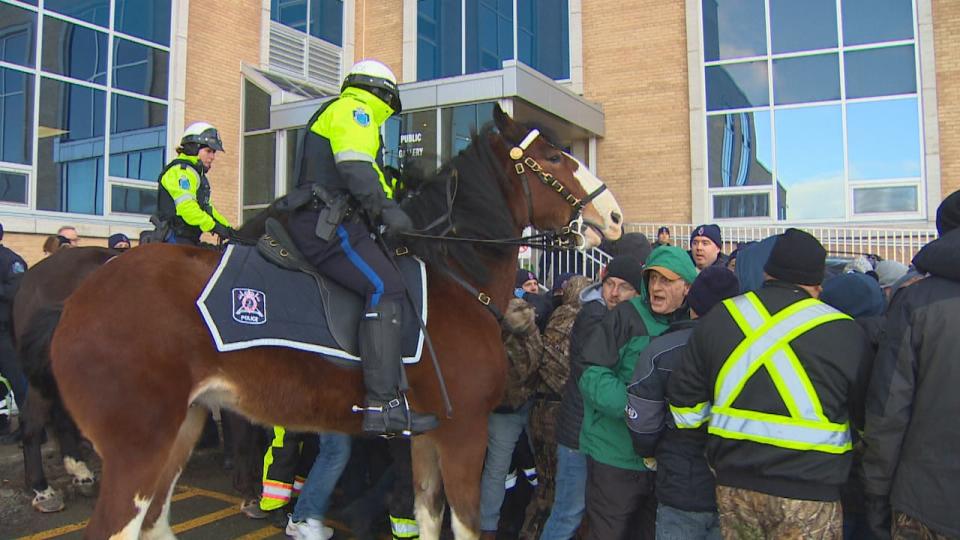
(214, 495)
(206, 519)
(66, 529)
(260, 534)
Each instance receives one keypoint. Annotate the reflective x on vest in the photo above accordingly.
(767, 344)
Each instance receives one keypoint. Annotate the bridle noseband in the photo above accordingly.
(573, 231)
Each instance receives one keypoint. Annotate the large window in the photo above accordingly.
(469, 36)
(100, 87)
(812, 109)
(319, 18)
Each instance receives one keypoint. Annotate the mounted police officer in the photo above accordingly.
(341, 155)
(12, 267)
(183, 201)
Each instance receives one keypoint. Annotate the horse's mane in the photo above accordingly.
(480, 209)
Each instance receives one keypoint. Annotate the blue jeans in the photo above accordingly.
(331, 460)
(503, 432)
(676, 524)
(568, 498)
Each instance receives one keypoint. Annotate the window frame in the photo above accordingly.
(108, 181)
(700, 159)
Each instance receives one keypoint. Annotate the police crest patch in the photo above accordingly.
(249, 306)
(184, 182)
(361, 117)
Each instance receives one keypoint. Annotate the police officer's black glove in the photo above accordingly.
(225, 233)
(396, 220)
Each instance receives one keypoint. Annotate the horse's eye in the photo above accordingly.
(555, 158)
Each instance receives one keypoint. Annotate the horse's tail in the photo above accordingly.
(34, 349)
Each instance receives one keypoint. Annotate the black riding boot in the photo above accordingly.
(386, 411)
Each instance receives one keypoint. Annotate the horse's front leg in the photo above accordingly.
(461, 453)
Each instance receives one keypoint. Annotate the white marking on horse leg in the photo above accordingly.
(132, 530)
(77, 469)
(460, 530)
(428, 519)
(161, 529)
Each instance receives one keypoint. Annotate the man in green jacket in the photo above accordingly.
(619, 482)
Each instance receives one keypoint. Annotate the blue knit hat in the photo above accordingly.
(712, 286)
(856, 294)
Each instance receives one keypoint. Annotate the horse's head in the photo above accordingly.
(552, 189)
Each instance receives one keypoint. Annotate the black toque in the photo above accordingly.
(797, 257)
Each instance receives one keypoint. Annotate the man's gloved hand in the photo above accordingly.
(396, 220)
(225, 233)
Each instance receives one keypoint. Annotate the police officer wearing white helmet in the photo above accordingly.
(341, 153)
(183, 199)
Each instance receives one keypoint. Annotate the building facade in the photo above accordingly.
(840, 113)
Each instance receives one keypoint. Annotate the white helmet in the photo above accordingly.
(376, 78)
(202, 134)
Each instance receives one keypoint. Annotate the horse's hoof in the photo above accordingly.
(85, 486)
(251, 509)
(47, 501)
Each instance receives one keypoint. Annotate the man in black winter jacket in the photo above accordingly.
(777, 376)
(621, 282)
(685, 488)
(912, 436)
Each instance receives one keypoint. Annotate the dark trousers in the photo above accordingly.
(10, 367)
(352, 258)
(620, 503)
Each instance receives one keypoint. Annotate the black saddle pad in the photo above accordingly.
(251, 302)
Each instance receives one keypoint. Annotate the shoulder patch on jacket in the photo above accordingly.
(17, 267)
(184, 182)
(361, 117)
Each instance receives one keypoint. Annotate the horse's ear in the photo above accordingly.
(510, 129)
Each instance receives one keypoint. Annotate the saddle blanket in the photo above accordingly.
(251, 302)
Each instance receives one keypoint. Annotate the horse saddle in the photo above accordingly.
(269, 295)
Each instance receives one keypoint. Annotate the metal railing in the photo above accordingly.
(548, 266)
(892, 244)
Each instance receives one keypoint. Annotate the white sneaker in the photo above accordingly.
(311, 529)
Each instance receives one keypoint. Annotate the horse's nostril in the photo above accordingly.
(616, 217)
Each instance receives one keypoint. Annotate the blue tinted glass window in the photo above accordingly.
(74, 51)
(326, 20)
(741, 206)
(18, 29)
(70, 148)
(92, 11)
(489, 34)
(145, 19)
(802, 26)
(739, 150)
(458, 124)
(138, 135)
(733, 29)
(13, 187)
(259, 173)
(810, 162)
(292, 13)
(543, 37)
(885, 199)
(131, 200)
(806, 78)
(880, 72)
(141, 69)
(736, 86)
(883, 139)
(872, 21)
(16, 116)
(438, 39)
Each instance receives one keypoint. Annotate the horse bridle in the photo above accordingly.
(522, 162)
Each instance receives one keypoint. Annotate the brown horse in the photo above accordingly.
(135, 370)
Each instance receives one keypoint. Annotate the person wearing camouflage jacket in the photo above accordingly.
(553, 371)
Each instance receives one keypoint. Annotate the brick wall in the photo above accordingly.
(635, 64)
(946, 27)
(379, 33)
(221, 35)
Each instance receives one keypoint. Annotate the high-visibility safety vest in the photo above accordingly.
(767, 344)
